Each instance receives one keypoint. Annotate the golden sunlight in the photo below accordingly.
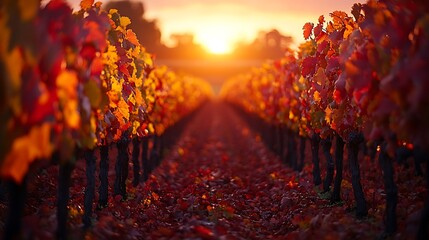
(215, 40)
(216, 46)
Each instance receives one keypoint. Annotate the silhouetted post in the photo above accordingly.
(63, 198)
(145, 158)
(339, 159)
(136, 163)
(326, 147)
(391, 190)
(121, 169)
(17, 195)
(353, 150)
(104, 174)
(90, 188)
(315, 140)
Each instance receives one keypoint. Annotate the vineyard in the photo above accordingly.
(80, 96)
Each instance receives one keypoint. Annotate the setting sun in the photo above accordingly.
(216, 46)
(215, 39)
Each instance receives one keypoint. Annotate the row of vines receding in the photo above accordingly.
(75, 82)
(360, 80)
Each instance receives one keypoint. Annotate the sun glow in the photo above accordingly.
(216, 46)
(217, 39)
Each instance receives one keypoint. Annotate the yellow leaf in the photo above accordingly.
(147, 202)
(124, 22)
(132, 100)
(116, 85)
(110, 57)
(295, 87)
(348, 31)
(138, 82)
(316, 96)
(113, 98)
(151, 128)
(123, 108)
(136, 125)
(71, 114)
(139, 98)
(25, 150)
(147, 58)
(328, 115)
(67, 92)
(150, 98)
(67, 83)
(291, 116)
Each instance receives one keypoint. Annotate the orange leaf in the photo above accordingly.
(132, 37)
(86, 4)
(321, 19)
(67, 83)
(124, 109)
(25, 150)
(155, 196)
(28, 9)
(308, 27)
(71, 114)
(67, 92)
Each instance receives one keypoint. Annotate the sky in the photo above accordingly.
(219, 24)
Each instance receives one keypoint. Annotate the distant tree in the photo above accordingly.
(185, 47)
(267, 45)
(146, 30)
(274, 39)
(185, 39)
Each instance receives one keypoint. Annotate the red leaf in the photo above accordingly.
(321, 20)
(340, 89)
(333, 65)
(308, 27)
(88, 51)
(308, 66)
(318, 30)
(124, 69)
(203, 231)
(323, 46)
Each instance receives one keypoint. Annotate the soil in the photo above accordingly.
(221, 182)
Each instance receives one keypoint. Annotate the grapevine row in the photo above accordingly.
(75, 82)
(358, 78)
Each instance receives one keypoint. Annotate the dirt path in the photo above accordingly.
(219, 182)
(222, 181)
